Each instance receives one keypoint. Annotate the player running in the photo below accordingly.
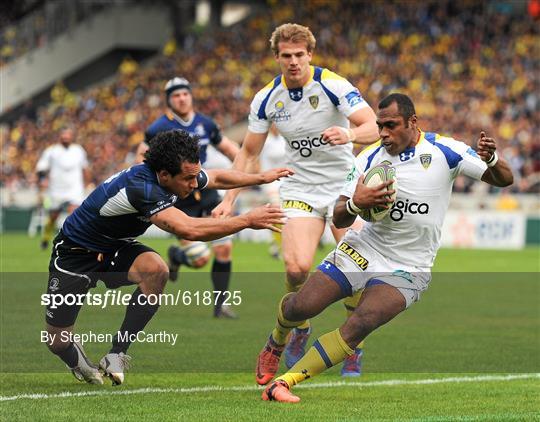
(397, 252)
(97, 242)
(62, 169)
(312, 109)
(181, 115)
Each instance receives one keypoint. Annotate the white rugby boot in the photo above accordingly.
(114, 365)
(85, 371)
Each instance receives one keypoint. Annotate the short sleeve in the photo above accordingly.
(44, 162)
(148, 198)
(258, 122)
(349, 97)
(469, 163)
(202, 180)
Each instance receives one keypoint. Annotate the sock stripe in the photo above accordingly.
(285, 326)
(318, 346)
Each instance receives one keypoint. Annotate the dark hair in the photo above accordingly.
(168, 150)
(404, 103)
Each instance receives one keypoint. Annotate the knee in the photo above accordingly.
(58, 344)
(297, 272)
(359, 325)
(157, 274)
(297, 310)
(223, 252)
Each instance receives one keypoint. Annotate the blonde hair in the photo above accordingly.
(292, 32)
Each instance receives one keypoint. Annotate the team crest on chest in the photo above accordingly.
(425, 159)
(314, 101)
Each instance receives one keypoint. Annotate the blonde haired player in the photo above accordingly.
(312, 109)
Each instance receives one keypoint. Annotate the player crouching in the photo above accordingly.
(98, 242)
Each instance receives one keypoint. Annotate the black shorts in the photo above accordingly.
(73, 270)
(199, 203)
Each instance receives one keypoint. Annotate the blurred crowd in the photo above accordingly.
(41, 26)
(468, 65)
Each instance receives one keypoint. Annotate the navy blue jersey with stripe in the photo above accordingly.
(119, 209)
(202, 126)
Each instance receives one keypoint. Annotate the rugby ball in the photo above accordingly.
(195, 250)
(374, 177)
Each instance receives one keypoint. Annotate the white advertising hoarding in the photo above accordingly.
(484, 229)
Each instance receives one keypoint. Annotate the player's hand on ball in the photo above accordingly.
(276, 174)
(266, 217)
(368, 197)
(337, 135)
(223, 210)
(486, 147)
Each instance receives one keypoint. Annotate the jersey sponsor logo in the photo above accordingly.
(353, 98)
(297, 205)
(354, 255)
(160, 208)
(296, 94)
(314, 101)
(425, 159)
(400, 208)
(406, 155)
(305, 146)
(281, 114)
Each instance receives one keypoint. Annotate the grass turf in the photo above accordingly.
(467, 323)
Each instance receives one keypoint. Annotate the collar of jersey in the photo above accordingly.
(173, 116)
(312, 72)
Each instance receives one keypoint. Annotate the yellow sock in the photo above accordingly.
(277, 237)
(350, 303)
(48, 230)
(329, 350)
(294, 288)
(284, 326)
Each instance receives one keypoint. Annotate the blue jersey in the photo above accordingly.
(201, 125)
(119, 209)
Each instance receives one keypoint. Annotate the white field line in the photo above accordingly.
(330, 384)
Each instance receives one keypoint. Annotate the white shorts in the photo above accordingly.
(355, 265)
(57, 202)
(308, 200)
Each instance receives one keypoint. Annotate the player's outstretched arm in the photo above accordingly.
(178, 223)
(498, 172)
(246, 160)
(230, 179)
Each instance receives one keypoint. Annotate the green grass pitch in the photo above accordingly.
(469, 350)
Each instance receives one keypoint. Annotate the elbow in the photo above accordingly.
(338, 223)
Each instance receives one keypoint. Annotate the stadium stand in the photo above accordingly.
(470, 65)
